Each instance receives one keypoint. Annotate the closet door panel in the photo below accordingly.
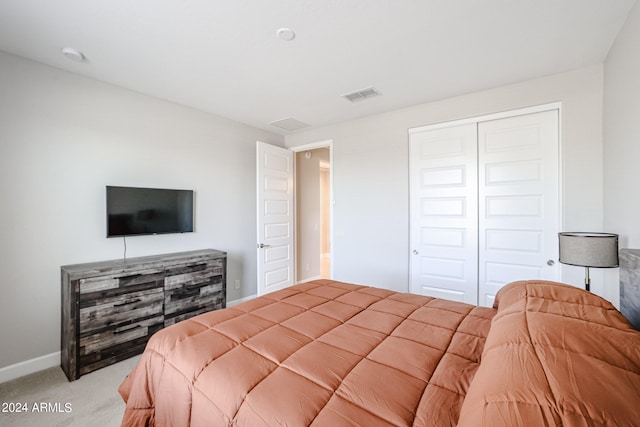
(518, 200)
(443, 236)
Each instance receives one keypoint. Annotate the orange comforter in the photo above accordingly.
(327, 353)
(556, 356)
(322, 353)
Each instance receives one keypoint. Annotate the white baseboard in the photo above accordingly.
(27, 367)
(310, 279)
(238, 301)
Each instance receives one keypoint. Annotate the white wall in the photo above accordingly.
(622, 134)
(370, 166)
(62, 139)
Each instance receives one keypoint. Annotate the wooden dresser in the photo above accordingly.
(111, 308)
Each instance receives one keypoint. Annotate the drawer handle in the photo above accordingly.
(190, 292)
(120, 331)
(132, 301)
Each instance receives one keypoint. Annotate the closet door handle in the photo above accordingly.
(262, 245)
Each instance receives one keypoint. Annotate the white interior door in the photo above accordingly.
(518, 201)
(444, 211)
(275, 218)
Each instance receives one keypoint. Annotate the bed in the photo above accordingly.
(328, 353)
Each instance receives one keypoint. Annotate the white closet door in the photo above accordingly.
(518, 201)
(444, 213)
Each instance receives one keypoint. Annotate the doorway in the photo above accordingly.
(313, 213)
(282, 241)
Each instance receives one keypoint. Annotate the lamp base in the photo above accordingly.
(587, 279)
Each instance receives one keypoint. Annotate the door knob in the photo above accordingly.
(415, 252)
(262, 245)
(550, 262)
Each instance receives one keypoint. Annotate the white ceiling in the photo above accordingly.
(223, 56)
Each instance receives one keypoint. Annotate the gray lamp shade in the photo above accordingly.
(589, 249)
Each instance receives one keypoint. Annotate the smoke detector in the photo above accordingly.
(73, 54)
(362, 94)
(286, 34)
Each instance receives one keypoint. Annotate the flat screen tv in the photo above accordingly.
(133, 211)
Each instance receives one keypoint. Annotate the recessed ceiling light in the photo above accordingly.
(286, 34)
(73, 54)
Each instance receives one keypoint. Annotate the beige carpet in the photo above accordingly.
(91, 401)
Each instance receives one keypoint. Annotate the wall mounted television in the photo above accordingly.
(134, 211)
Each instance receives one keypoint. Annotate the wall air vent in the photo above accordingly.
(289, 124)
(362, 94)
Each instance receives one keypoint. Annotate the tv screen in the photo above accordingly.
(135, 211)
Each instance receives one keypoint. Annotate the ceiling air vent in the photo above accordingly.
(361, 94)
(289, 124)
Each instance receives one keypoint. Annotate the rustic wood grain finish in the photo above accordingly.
(111, 308)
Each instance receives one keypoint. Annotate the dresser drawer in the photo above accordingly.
(121, 310)
(123, 282)
(194, 291)
(114, 327)
(112, 337)
(194, 274)
(186, 302)
(215, 304)
(108, 347)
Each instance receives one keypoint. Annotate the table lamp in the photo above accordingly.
(598, 250)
